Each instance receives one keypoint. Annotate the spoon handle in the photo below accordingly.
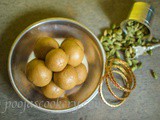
(153, 46)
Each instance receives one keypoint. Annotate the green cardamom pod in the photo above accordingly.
(105, 44)
(117, 47)
(118, 43)
(105, 33)
(114, 35)
(119, 38)
(149, 44)
(106, 49)
(111, 46)
(130, 23)
(154, 40)
(113, 39)
(119, 32)
(107, 54)
(139, 41)
(133, 55)
(150, 52)
(129, 62)
(101, 39)
(110, 31)
(123, 41)
(134, 68)
(112, 52)
(143, 43)
(135, 62)
(118, 55)
(127, 54)
(154, 74)
(139, 65)
(113, 26)
(130, 50)
(110, 42)
(110, 37)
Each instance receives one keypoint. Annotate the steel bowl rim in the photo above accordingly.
(10, 71)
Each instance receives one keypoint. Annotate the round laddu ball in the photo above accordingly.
(74, 49)
(38, 73)
(78, 42)
(67, 78)
(43, 46)
(52, 90)
(82, 73)
(56, 60)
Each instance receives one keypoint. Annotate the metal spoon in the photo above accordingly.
(141, 49)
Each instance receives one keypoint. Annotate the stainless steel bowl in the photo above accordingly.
(56, 28)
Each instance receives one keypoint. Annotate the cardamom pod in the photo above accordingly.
(127, 54)
(105, 44)
(119, 32)
(110, 31)
(129, 62)
(118, 55)
(113, 26)
(150, 52)
(139, 65)
(135, 62)
(118, 43)
(112, 52)
(154, 74)
(106, 49)
(105, 33)
(134, 68)
(154, 40)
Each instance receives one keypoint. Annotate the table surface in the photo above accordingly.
(15, 15)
